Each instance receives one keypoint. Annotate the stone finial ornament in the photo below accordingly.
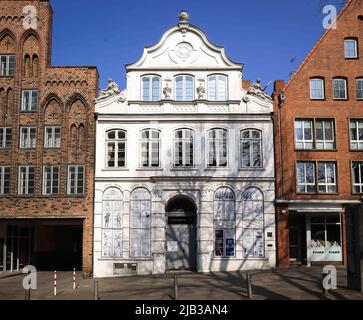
(184, 16)
(256, 90)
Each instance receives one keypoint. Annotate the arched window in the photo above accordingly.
(251, 149)
(151, 88)
(150, 148)
(140, 223)
(184, 148)
(217, 87)
(224, 222)
(112, 223)
(116, 148)
(217, 148)
(253, 212)
(184, 88)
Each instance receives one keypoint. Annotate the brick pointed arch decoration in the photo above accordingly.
(7, 41)
(52, 110)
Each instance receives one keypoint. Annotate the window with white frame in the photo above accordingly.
(140, 223)
(304, 134)
(217, 87)
(183, 148)
(317, 88)
(224, 223)
(76, 179)
(150, 148)
(324, 134)
(327, 182)
(151, 88)
(359, 84)
(27, 137)
(116, 148)
(251, 149)
(7, 65)
(52, 138)
(26, 180)
(5, 137)
(29, 100)
(252, 204)
(217, 148)
(184, 88)
(305, 174)
(356, 134)
(112, 223)
(350, 48)
(50, 179)
(4, 180)
(357, 176)
(339, 89)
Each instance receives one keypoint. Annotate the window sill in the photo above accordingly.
(28, 111)
(115, 169)
(150, 169)
(340, 99)
(184, 169)
(252, 169)
(27, 149)
(317, 193)
(52, 148)
(218, 169)
(316, 150)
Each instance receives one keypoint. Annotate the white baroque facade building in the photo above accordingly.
(184, 164)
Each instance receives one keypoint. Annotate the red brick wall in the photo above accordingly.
(66, 99)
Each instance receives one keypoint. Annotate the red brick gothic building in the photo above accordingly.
(46, 146)
(319, 145)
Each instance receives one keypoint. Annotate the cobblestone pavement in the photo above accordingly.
(299, 283)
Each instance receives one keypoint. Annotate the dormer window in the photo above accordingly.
(151, 88)
(184, 88)
(217, 87)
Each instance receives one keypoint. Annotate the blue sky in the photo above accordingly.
(264, 34)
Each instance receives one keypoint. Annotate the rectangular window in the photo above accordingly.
(224, 245)
(26, 180)
(4, 180)
(356, 134)
(357, 177)
(305, 174)
(29, 101)
(314, 134)
(359, 88)
(217, 148)
(52, 137)
(316, 88)
(339, 89)
(350, 49)
(304, 134)
(325, 134)
(314, 177)
(76, 175)
(183, 148)
(27, 137)
(7, 65)
(327, 182)
(5, 137)
(50, 180)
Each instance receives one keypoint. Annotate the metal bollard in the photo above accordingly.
(249, 285)
(74, 278)
(95, 290)
(55, 283)
(27, 294)
(175, 288)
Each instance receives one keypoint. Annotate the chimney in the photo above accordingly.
(279, 85)
(246, 84)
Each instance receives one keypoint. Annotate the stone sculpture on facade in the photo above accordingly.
(200, 91)
(256, 90)
(167, 92)
(112, 89)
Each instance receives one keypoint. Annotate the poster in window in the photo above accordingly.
(218, 243)
(229, 247)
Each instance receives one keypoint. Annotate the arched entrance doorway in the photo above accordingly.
(181, 215)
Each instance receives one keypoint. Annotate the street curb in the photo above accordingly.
(9, 275)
